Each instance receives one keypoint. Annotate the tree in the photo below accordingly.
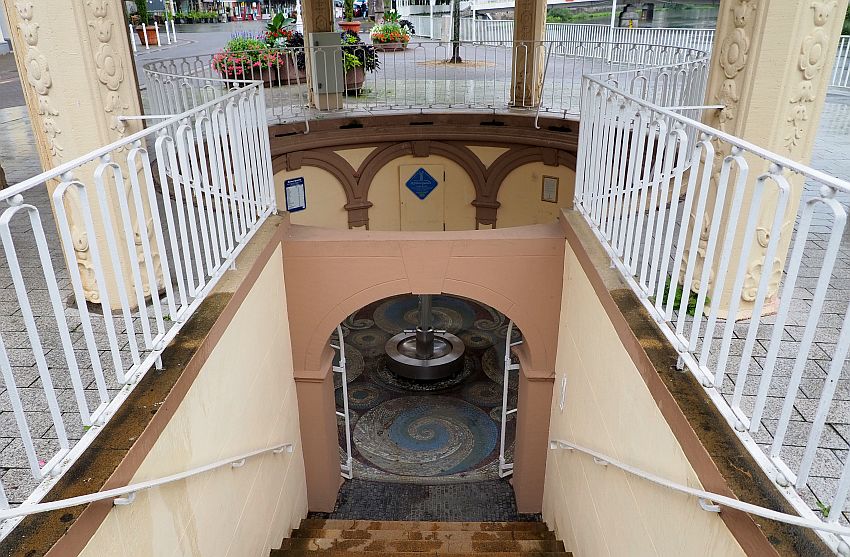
(455, 59)
(846, 29)
(142, 11)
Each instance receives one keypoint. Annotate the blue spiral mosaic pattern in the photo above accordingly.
(437, 432)
(449, 314)
(425, 436)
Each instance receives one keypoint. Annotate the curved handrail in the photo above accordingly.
(131, 489)
(58, 171)
(413, 80)
(716, 498)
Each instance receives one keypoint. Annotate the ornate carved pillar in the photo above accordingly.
(770, 69)
(78, 76)
(317, 17)
(528, 58)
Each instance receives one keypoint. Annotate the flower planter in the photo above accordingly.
(285, 74)
(151, 32)
(389, 47)
(350, 26)
(354, 80)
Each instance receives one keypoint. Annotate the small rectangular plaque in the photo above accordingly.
(550, 189)
(296, 197)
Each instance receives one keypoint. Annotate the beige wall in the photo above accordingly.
(243, 399)
(600, 510)
(325, 198)
(521, 192)
(459, 194)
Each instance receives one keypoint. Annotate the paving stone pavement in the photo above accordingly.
(18, 157)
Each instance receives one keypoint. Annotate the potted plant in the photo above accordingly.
(289, 44)
(357, 59)
(389, 36)
(246, 58)
(348, 13)
(144, 27)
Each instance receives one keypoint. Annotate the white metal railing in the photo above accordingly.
(145, 226)
(841, 68)
(127, 494)
(503, 30)
(707, 500)
(419, 79)
(665, 195)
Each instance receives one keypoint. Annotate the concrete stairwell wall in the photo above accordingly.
(242, 399)
(608, 407)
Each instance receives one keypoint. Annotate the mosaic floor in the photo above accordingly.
(426, 433)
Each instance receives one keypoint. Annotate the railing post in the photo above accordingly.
(528, 53)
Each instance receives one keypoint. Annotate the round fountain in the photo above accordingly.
(425, 354)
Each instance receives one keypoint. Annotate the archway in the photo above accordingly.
(331, 274)
(460, 428)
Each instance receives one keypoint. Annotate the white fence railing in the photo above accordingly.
(419, 77)
(145, 226)
(841, 69)
(699, 39)
(439, 27)
(680, 208)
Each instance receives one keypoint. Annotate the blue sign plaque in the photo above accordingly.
(296, 197)
(421, 183)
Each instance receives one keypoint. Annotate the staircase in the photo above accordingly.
(338, 538)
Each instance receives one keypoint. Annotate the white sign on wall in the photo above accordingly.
(296, 197)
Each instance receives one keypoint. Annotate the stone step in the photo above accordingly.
(332, 524)
(423, 546)
(340, 553)
(430, 535)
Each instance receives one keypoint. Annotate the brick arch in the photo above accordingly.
(330, 274)
(515, 158)
(335, 165)
(459, 154)
(477, 292)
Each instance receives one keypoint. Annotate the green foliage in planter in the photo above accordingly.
(350, 61)
(389, 32)
(677, 300)
(243, 57)
(348, 10)
(365, 53)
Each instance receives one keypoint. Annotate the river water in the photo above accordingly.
(694, 18)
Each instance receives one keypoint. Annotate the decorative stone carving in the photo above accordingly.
(812, 60)
(734, 52)
(110, 67)
(753, 277)
(38, 77)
